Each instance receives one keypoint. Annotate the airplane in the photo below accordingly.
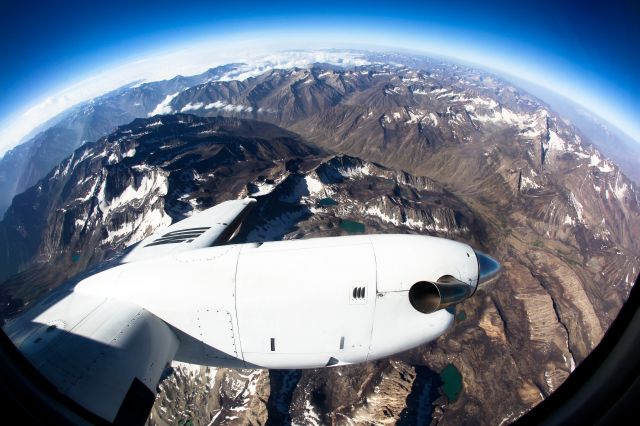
(184, 294)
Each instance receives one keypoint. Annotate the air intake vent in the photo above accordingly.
(359, 294)
(180, 236)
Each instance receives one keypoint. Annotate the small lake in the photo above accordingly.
(351, 226)
(451, 382)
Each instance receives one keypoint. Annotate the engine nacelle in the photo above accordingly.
(302, 303)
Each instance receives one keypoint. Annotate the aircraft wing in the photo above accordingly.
(210, 227)
(105, 354)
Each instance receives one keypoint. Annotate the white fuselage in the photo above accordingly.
(293, 304)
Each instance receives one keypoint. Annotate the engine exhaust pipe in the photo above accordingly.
(428, 297)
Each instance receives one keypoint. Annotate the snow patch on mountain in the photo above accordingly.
(91, 192)
(528, 183)
(154, 184)
(415, 116)
(261, 188)
(143, 226)
(606, 167)
(246, 387)
(568, 220)
(395, 90)
(307, 190)
(376, 211)
(264, 186)
(488, 111)
(603, 165)
(355, 171)
(619, 187)
(556, 142)
(194, 371)
(385, 210)
(601, 232)
(314, 185)
(310, 415)
(576, 206)
(487, 103)
(439, 90)
(193, 203)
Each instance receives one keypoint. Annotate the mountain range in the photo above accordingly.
(51, 142)
(25, 164)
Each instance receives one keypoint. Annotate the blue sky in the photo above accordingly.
(585, 51)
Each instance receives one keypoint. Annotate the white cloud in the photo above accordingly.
(293, 59)
(216, 105)
(192, 107)
(163, 107)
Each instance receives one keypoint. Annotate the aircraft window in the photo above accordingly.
(488, 148)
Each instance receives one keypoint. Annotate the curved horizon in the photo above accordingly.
(190, 49)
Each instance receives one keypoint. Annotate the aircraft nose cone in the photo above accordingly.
(488, 267)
